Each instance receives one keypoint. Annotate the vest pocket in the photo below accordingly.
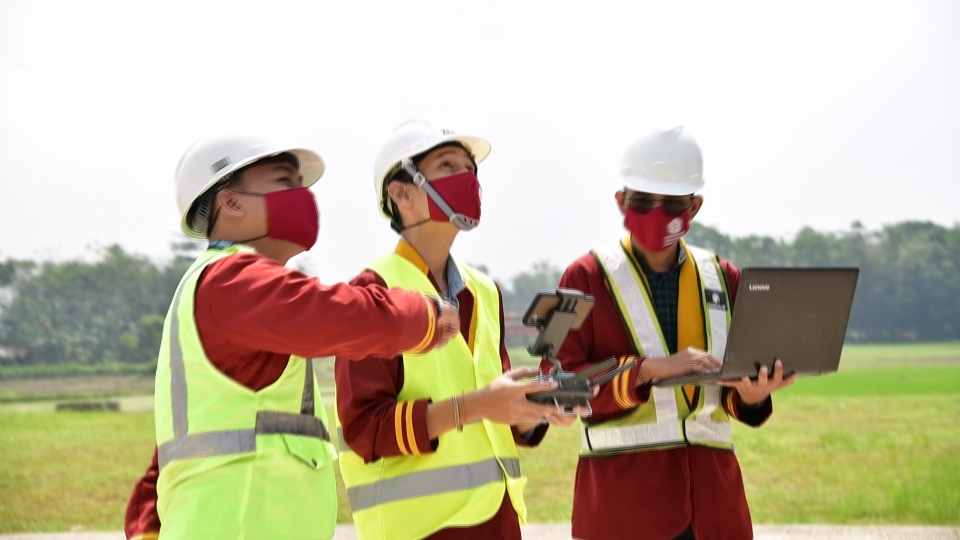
(313, 452)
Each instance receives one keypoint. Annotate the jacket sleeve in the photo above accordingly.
(141, 521)
(280, 309)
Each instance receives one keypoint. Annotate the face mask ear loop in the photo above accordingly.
(461, 221)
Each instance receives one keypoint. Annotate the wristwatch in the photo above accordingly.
(437, 305)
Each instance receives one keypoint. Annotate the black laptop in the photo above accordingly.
(796, 314)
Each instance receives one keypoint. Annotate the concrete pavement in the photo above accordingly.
(561, 531)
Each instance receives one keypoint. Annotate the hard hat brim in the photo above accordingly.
(312, 166)
(478, 147)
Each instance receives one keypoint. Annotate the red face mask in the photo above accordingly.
(292, 215)
(461, 192)
(656, 229)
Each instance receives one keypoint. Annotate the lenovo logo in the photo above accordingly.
(759, 287)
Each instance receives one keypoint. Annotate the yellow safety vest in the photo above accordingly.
(667, 419)
(462, 483)
(235, 463)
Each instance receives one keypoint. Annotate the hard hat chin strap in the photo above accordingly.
(461, 221)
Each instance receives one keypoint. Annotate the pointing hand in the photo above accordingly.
(448, 322)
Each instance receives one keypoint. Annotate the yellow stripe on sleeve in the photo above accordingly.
(620, 385)
(617, 387)
(398, 427)
(431, 328)
(731, 404)
(411, 436)
(627, 380)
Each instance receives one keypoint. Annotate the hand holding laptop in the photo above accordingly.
(753, 392)
(687, 361)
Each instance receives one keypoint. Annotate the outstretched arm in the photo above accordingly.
(284, 310)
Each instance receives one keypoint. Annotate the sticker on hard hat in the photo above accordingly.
(220, 164)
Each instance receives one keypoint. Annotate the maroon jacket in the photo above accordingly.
(653, 494)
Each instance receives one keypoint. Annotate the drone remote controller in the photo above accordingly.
(554, 314)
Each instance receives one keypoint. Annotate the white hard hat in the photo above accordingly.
(665, 162)
(410, 139)
(212, 159)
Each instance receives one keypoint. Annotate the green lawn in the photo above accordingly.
(876, 443)
(65, 470)
(855, 460)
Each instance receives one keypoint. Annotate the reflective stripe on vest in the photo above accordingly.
(706, 424)
(663, 432)
(432, 482)
(185, 445)
(428, 482)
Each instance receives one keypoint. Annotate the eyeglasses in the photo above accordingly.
(671, 205)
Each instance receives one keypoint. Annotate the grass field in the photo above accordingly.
(876, 443)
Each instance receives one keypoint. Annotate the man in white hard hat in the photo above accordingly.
(429, 443)
(244, 446)
(658, 462)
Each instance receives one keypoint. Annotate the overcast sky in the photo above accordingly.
(809, 113)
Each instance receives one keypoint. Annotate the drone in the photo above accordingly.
(554, 313)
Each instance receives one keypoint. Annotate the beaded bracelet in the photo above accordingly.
(456, 413)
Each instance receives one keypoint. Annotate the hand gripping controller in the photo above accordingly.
(554, 313)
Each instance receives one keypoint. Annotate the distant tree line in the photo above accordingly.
(104, 313)
(96, 316)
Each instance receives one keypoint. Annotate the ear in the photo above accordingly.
(695, 205)
(400, 194)
(229, 204)
(621, 197)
